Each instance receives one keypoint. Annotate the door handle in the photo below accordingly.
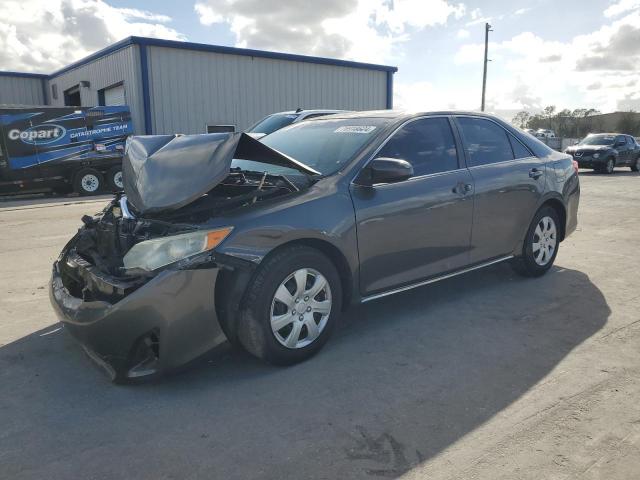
(535, 173)
(462, 188)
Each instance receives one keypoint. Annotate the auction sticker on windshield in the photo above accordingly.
(355, 129)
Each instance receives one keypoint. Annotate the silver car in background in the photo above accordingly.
(276, 121)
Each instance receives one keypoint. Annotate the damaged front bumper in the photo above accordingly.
(139, 327)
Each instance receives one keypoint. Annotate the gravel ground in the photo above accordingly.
(484, 376)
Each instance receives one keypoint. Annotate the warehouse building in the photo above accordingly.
(180, 87)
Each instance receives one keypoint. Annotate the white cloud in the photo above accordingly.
(608, 58)
(44, 35)
(366, 30)
(424, 96)
(462, 34)
(621, 7)
(522, 11)
(476, 18)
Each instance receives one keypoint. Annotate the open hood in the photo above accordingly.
(167, 172)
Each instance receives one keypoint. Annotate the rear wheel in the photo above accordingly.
(540, 245)
(114, 178)
(88, 181)
(291, 306)
(636, 166)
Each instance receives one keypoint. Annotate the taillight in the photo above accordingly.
(575, 166)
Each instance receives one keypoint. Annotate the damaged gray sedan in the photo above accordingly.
(263, 243)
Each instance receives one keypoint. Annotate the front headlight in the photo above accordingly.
(596, 155)
(153, 254)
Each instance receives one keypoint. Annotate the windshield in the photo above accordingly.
(273, 122)
(598, 140)
(325, 145)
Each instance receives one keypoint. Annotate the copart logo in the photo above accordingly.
(38, 135)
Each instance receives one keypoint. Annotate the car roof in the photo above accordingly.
(402, 114)
(306, 112)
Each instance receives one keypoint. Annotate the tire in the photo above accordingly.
(636, 167)
(535, 263)
(114, 179)
(275, 278)
(88, 181)
(609, 166)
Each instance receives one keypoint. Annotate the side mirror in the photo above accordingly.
(386, 170)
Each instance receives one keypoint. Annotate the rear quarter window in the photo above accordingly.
(519, 150)
(538, 148)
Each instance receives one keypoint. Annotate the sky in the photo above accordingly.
(567, 53)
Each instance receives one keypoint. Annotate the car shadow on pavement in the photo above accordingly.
(402, 379)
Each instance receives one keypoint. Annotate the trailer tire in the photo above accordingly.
(88, 181)
(114, 179)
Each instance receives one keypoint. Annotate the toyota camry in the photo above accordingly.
(222, 237)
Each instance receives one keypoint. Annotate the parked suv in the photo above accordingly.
(264, 243)
(605, 151)
(276, 121)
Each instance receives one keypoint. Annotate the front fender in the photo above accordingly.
(324, 213)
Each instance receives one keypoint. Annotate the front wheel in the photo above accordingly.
(541, 244)
(636, 166)
(291, 306)
(609, 166)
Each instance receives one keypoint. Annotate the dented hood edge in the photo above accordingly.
(167, 172)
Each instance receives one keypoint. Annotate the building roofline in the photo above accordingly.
(23, 74)
(248, 52)
(94, 56)
(203, 47)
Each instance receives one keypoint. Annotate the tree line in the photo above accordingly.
(576, 123)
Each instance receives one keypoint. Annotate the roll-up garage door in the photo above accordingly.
(114, 96)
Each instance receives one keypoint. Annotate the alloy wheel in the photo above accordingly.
(544, 241)
(300, 308)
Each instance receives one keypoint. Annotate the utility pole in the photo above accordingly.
(487, 29)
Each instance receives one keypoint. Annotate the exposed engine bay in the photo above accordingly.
(105, 238)
(174, 185)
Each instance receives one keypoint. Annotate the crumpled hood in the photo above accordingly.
(167, 172)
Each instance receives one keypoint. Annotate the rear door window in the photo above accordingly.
(485, 141)
(519, 150)
(427, 144)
